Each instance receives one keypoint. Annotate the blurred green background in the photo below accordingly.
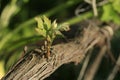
(17, 24)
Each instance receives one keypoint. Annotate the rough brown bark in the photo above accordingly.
(35, 67)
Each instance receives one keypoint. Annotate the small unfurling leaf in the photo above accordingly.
(64, 27)
(39, 22)
(49, 31)
(54, 24)
(41, 32)
(47, 22)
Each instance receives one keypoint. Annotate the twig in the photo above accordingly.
(103, 2)
(85, 64)
(94, 7)
(115, 70)
(92, 70)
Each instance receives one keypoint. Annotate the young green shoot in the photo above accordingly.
(49, 30)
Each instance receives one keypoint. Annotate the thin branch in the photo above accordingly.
(94, 8)
(94, 67)
(115, 70)
(84, 67)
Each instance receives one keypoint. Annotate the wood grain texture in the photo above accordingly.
(34, 66)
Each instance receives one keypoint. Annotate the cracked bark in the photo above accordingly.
(35, 67)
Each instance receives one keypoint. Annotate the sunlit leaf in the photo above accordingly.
(50, 30)
(46, 27)
(64, 27)
(39, 22)
(54, 24)
(41, 32)
(58, 33)
(47, 22)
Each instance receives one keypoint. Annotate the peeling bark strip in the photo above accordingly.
(35, 67)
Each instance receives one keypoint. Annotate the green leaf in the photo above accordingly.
(106, 13)
(41, 32)
(64, 27)
(58, 33)
(116, 5)
(50, 30)
(39, 22)
(54, 24)
(109, 14)
(47, 22)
